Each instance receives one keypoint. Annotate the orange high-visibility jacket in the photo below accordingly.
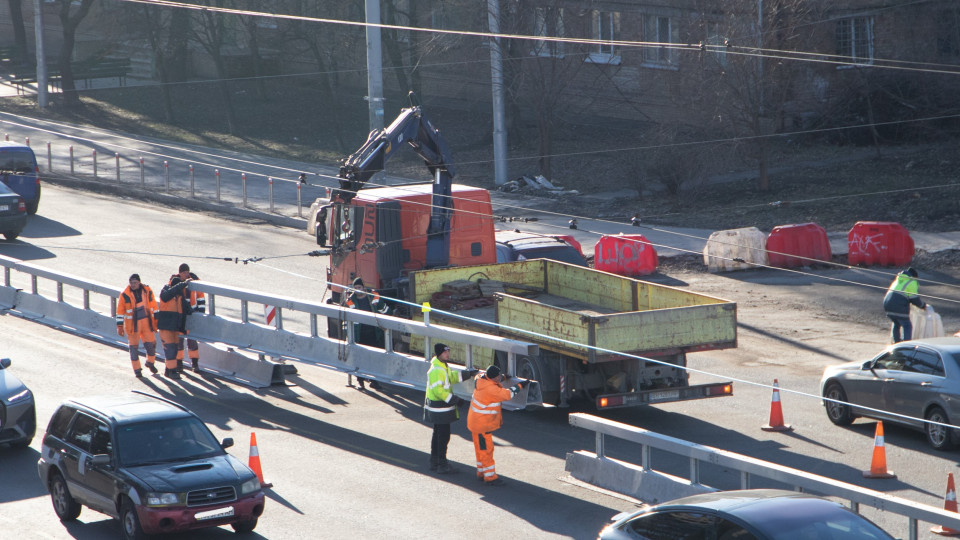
(485, 415)
(127, 305)
(198, 302)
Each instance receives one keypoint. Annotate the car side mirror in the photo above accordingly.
(100, 460)
(226, 443)
(4, 363)
(867, 365)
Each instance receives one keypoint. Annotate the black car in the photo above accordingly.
(517, 246)
(18, 415)
(147, 461)
(13, 213)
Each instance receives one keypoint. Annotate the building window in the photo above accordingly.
(662, 30)
(548, 22)
(606, 27)
(716, 42)
(855, 40)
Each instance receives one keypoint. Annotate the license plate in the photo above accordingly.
(4, 207)
(665, 395)
(214, 514)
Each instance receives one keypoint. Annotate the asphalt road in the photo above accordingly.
(371, 447)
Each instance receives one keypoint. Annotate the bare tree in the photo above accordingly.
(19, 31)
(210, 34)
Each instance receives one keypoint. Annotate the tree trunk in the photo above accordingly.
(327, 94)
(70, 23)
(19, 32)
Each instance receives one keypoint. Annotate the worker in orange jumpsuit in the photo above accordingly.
(172, 315)
(198, 304)
(136, 319)
(485, 417)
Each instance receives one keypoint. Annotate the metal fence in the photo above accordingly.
(622, 477)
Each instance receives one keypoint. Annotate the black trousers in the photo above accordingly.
(438, 444)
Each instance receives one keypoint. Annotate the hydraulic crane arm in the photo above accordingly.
(413, 128)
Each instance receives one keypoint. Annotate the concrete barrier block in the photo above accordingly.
(243, 368)
(649, 486)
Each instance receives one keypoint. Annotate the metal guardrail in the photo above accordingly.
(387, 364)
(748, 468)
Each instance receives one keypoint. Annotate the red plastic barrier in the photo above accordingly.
(805, 240)
(879, 243)
(625, 254)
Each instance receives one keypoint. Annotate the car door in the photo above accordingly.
(908, 391)
(90, 485)
(865, 386)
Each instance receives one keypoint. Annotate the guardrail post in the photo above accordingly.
(217, 173)
(912, 529)
(94, 163)
(645, 457)
(86, 304)
(192, 184)
(6, 276)
(314, 331)
(49, 159)
(744, 480)
(143, 179)
(59, 292)
(33, 283)
(299, 204)
(279, 318)
(211, 304)
(71, 159)
(116, 155)
(694, 471)
(244, 315)
(243, 186)
(600, 445)
(270, 181)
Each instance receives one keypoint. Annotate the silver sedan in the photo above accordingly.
(913, 383)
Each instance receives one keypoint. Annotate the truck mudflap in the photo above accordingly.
(664, 395)
(528, 396)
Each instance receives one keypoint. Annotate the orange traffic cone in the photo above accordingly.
(950, 505)
(776, 412)
(878, 467)
(255, 460)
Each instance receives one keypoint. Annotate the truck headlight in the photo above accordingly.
(250, 486)
(162, 499)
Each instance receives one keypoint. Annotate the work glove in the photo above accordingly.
(119, 330)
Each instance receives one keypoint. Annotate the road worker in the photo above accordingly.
(896, 303)
(440, 406)
(485, 417)
(136, 319)
(367, 300)
(172, 320)
(198, 304)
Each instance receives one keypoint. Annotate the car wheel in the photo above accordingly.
(130, 521)
(33, 206)
(11, 235)
(244, 527)
(838, 413)
(939, 437)
(66, 508)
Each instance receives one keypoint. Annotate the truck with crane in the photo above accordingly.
(617, 341)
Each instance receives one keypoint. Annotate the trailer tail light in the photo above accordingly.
(720, 390)
(609, 401)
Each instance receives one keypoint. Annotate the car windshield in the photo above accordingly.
(177, 439)
(16, 161)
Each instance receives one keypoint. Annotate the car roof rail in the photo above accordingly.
(174, 403)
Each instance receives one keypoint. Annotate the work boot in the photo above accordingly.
(152, 368)
(138, 373)
(375, 385)
(433, 465)
(196, 365)
(445, 468)
(496, 482)
(180, 366)
(171, 374)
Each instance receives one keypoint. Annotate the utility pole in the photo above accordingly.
(374, 65)
(496, 78)
(41, 54)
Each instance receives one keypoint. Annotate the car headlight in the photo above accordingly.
(162, 499)
(250, 486)
(20, 396)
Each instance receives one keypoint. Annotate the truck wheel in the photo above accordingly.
(532, 368)
(66, 508)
